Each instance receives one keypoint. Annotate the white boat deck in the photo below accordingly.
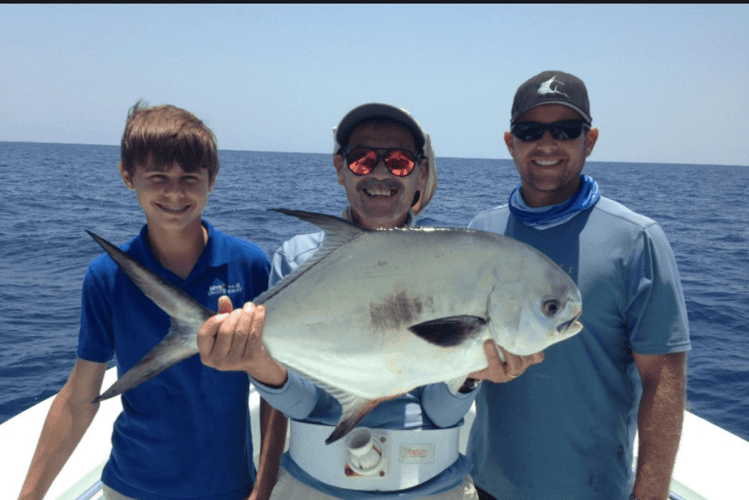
(710, 465)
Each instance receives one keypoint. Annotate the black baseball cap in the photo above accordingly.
(552, 87)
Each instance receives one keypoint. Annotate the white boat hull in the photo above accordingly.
(711, 463)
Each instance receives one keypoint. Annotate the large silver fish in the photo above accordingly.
(377, 313)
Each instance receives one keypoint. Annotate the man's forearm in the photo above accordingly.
(659, 426)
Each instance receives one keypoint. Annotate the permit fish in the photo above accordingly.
(376, 313)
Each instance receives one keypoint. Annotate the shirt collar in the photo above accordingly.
(214, 254)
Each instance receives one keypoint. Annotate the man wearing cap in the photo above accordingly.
(385, 163)
(565, 430)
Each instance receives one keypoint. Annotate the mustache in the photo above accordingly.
(391, 184)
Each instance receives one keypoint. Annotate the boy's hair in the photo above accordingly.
(166, 134)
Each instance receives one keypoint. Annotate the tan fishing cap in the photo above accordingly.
(399, 115)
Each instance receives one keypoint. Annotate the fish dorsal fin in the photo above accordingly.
(338, 232)
(450, 331)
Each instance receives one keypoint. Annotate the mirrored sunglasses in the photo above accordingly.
(563, 130)
(362, 161)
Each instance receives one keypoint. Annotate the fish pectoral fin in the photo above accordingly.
(178, 344)
(450, 331)
(354, 410)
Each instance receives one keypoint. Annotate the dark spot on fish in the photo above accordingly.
(395, 311)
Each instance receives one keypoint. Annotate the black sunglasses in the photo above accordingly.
(362, 161)
(563, 130)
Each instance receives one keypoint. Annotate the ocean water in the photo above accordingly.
(50, 193)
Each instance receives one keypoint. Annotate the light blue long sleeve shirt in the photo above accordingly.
(428, 407)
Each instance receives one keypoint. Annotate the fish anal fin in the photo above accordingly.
(450, 331)
(354, 410)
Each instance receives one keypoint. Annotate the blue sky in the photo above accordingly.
(667, 83)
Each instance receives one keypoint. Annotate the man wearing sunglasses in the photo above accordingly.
(385, 163)
(566, 429)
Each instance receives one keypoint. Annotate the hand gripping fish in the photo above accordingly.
(376, 313)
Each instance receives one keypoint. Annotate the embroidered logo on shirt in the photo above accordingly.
(223, 289)
(546, 88)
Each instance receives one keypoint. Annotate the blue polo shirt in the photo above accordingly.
(185, 433)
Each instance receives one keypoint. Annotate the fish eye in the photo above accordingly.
(551, 307)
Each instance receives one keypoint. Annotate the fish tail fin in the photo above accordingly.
(172, 300)
(175, 347)
(186, 314)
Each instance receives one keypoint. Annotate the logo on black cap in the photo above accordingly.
(546, 88)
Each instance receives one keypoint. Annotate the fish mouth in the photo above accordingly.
(573, 323)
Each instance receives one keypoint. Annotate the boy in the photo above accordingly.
(191, 417)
